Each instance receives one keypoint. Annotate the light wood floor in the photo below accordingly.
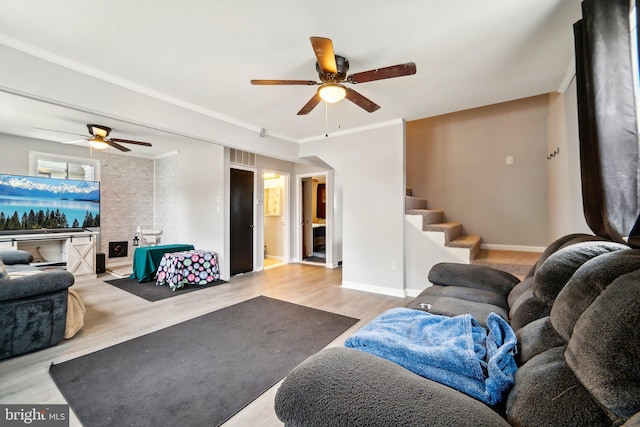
(114, 316)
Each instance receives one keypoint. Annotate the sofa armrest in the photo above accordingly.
(473, 276)
(35, 284)
(345, 387)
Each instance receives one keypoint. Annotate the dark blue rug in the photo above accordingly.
(196, 373)
(152, 292)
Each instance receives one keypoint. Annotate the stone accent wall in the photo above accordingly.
(127, 200)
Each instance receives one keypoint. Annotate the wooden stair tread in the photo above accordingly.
(465, 242)
(451, 230)
(422, 211)
(443, 225)
(429, 216)
(411, 203)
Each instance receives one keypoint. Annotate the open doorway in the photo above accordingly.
(314, 219)
(275, 224)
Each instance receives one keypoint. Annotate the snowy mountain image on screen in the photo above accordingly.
(48, 188)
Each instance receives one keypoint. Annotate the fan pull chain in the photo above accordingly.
(326, 119)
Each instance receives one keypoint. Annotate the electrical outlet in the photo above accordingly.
(394, 265)
(509, 160)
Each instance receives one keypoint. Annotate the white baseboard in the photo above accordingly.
(413, 292)
(374, 289)
(513, 248)
(120, 264)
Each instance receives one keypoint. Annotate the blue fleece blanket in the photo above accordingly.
(455, 351)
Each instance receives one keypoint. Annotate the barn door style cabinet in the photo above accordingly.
(74, 250)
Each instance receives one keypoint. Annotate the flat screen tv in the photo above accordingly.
(36, 204)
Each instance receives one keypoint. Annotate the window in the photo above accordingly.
(65, 167)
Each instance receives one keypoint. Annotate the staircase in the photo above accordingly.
(448, 235)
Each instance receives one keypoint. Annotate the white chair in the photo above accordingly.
(149, 237)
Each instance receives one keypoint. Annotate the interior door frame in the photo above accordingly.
(329, 216)
(255, 207)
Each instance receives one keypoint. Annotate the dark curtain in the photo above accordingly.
(607, 120)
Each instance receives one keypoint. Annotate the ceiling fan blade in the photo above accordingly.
(284, 82)
(116, 145)
(315, 100)
(129, 141)
(323, 49)
(383, 73)
(61, 131)
(361, 101)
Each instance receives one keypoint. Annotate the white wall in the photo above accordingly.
(565, 189)
(201, 209)
(14, 152)
(166, 201)
(369, 167)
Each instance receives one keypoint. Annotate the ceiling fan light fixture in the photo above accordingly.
(332, 92)
(98, 143)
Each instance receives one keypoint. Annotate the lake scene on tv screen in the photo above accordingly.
(33, 203)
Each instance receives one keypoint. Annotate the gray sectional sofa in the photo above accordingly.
(33, 308)
(576, 317)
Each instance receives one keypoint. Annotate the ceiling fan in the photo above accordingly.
(332, 70)
(98, 138)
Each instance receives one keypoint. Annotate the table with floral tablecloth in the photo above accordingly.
(195, 267)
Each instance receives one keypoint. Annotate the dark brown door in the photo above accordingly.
(241, 223)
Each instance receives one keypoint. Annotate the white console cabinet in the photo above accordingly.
(75, 249)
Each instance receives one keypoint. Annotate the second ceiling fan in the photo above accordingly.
(332, 70)
(99, 138)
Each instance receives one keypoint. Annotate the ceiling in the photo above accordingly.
(468, 53)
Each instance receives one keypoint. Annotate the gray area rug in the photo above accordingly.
(196, 373)
(152, 292)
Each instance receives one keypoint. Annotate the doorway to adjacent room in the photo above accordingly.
(314, 218)
(276, 219)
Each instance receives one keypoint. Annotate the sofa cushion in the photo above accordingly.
(518, 290)
(547, 393)
(556, 271)
(604, 350)
(586, 284)
(537, 337)
(469, 294)
(526, 309)
(472, 276)
(16, 257)
(562, 242)
(344, 387)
